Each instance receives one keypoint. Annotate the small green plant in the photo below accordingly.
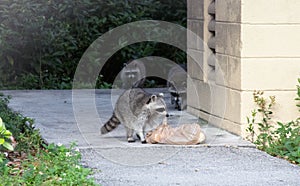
(276, 138)
(265, 125)
(101, 84)
(298, 95)
(32, 162)
(5, 136)
(52, 165)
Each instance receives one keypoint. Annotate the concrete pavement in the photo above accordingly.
(225, 159)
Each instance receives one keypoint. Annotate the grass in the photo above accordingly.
(32, 162)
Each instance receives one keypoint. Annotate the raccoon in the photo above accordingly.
(138, 111)
(133, 74)
(177, 78)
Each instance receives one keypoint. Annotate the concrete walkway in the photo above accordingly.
(224, 159)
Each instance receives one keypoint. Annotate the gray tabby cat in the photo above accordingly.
(133, 74)
(137, 110)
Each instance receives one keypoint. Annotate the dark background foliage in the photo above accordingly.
(41, 42)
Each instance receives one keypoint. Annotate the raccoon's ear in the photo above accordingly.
(151, 99)
(160, 95)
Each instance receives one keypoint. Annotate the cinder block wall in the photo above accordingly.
(257, 47)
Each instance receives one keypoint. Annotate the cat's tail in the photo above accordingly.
(110, 125)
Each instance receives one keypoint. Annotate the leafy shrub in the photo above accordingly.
(55, 165)
(281, 140)
(42, 41)
(33, 162)
(21, 127)
(5, 136)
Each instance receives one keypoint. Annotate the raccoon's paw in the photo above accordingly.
(130, 140)
(142, 141)
(138, 136)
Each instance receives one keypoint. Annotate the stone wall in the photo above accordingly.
(256, 45)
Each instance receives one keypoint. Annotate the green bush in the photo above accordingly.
(55, 165)
(42, 41)
(283, 139)
(33, 162)
(5, 135)
(16, 123)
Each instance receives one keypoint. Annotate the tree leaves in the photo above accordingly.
(45, 40)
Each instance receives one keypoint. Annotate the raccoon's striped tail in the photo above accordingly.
(110, 125)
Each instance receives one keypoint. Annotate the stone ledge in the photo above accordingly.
(267, 41)
(269, 73)
(228, 11)
(195, 37)
(284, 110)
(228, 39)
(216, 121)
(275, 11)
(195, 64)
(195, 9)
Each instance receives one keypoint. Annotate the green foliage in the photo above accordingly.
(20, 127)
(276, 138)
(265, 126)
(149, 83)
(298, 94)
(34, 163)
(5, 135)
(42, 41)
(54, 165)
(101, 84)
(287, 141)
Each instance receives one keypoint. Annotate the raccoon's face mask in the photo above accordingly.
(156, 104)
(131, 74)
